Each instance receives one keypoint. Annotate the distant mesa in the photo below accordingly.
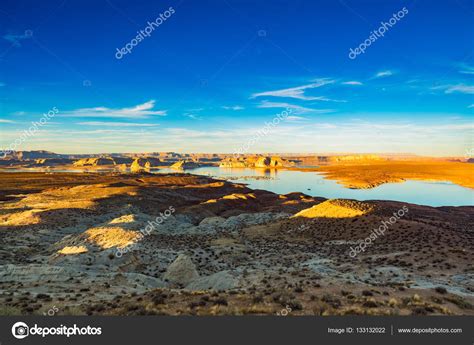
(31, 155)
(470, 160)
(51, 161)
(182, 164)
(96, 161)
(348, 158)
(357, 158)
(123, 160)
(255, 162)
(231, 162)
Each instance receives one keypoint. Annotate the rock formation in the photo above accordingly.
(182, 164)
(96, 161)
(140, 165)
(269, 162)
(255, 162)
(233, 163)
(121, 167)
(181, 271)
(51, 161)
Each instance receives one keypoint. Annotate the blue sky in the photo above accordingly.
(214, 72)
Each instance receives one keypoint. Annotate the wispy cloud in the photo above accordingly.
(325, 99)
(296, 92)
(297, 108)
(352, 82)
(233, 107)
(140, 111)
(470, 106)
(116, 124)
(6, 121)
(461, 88)
(465, 68)
(362, 136)
(15, 39)
(383, 74)
(296, 118)
(193, 116)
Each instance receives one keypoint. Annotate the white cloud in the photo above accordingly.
(116, 124)
(383, 74)
(461, 88)
(140, 111)
(354, 136)
(325, 99)
(234, 107)
(352, 82)
(6, 121)
(296, 92)
(296, 118)
(297, 108)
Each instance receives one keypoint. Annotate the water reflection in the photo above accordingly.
(312, 183)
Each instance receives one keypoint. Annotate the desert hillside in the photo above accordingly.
(182, 244)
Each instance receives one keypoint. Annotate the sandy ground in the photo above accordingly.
(74, 244)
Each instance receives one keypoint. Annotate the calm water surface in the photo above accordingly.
(311, 183)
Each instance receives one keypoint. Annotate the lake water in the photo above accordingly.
(312, 183)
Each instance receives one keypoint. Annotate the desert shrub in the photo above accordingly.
(460, 302)
(370, 303)
(158, 299)
(220, 301)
